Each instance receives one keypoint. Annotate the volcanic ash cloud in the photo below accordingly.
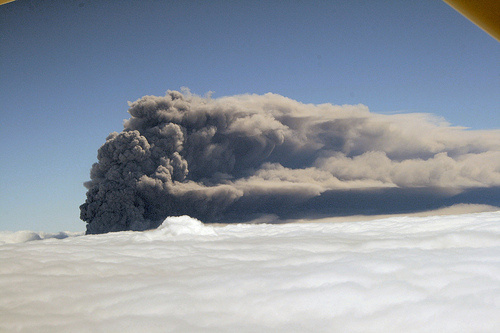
(235, 158)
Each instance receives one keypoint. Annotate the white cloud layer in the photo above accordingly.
(399, 274)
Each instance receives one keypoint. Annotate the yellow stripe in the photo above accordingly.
(484, 13)
(3, 2)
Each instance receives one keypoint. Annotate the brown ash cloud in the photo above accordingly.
(236, 158)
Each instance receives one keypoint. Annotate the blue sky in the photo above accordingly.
(68, 68)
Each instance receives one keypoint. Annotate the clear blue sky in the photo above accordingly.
(68, 68)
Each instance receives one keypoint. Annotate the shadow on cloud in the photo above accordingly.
(377, 201)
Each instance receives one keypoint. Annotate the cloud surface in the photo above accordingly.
(240, 157)
(400, 274)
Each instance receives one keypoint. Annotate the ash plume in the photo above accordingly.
(241, 157)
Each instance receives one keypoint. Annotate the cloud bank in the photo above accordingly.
(400, 274)
(240, 157)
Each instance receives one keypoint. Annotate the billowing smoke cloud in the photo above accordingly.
(239, 157)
